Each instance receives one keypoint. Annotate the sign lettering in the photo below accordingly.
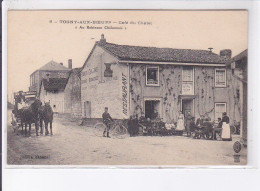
(124, 93)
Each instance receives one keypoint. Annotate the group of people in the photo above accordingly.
(204, 122)
(184, 124)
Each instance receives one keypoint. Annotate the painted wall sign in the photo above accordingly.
(90, 71)
(124, 93)
(93, 79)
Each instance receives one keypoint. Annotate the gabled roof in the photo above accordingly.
(141, 53)
(238, 57)
(52, 65)
(54, 84)
(76, 71)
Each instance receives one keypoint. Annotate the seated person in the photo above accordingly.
(200, 121)
(217, 129)
(170, 125)
(142, 120)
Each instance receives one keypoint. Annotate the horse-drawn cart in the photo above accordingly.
(21, 99)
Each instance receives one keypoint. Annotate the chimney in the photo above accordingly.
(226, 53)
(70, 63)
(102, 40)
(61, 63)
(210, 50)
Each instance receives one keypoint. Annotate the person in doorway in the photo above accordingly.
(155, 115)
(107, 119)
(188, 120)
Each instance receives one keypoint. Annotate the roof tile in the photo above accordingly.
(141, 53)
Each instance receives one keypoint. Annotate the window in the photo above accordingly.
(152, 76)
(220, 108)
(108, 72)
(187, 81)
(220, 78)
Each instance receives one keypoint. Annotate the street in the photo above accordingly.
(72, 144)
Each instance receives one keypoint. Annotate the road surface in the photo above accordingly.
(80, 145)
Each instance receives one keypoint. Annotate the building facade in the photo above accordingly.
(131, 80)
(238, 67)
(52, 70)
(72, 94)
(52, 91)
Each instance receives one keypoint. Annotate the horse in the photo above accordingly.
(30, 115)
(46, 115)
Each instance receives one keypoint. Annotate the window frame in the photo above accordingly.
(158, 76)
(225, 75)
(193, 81)
(225, 103)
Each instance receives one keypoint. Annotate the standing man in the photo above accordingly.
(200, 121)
(188, 120)
(107, 119)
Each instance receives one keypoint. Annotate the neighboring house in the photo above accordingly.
(52, 70)
(52, 91)
(72, 97)
(130, 80)
(238, 66)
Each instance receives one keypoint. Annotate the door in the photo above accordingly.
(187, 106)
(87, 109)
(152, 109)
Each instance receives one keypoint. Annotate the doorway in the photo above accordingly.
(87, 109)
(187, 106)
(152, 109)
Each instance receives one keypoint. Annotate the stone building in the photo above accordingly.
(72, 94)
(52, 91)
(52, 70)
(238, 66)
(130, 80)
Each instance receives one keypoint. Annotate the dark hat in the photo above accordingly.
(225, 113)
(106, 107)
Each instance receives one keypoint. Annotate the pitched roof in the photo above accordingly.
(238, 57)
(76, 71)
(141, 53)
(54, 84)
(52, 65)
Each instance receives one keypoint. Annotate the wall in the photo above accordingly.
(54, 99)
(170, 89)
(102, 91)
(72, 96)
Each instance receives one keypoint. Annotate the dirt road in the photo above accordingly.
(79, 145)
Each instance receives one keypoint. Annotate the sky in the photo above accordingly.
(34, 38)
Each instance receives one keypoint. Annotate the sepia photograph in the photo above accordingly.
(134, 88)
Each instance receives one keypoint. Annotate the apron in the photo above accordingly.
(180, 125)
(226, 134)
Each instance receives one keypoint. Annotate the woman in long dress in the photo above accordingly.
(226, 133)
(180, 123)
